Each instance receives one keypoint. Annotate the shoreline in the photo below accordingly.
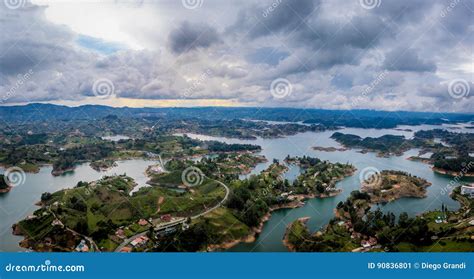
(36, 169)
(329, 149)
(452, 173)
(6, 190)
(286, 241)
(255, 231)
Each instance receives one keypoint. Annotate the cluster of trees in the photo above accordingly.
(318, 176)
(3, 184)
(305, 161)
(216, 146)
(385, 143)
(70, 157)
(14, 154)
(248, 210)
(384, 225)
(196, 238)
(455, 164)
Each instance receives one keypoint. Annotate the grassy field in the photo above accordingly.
(226, 225)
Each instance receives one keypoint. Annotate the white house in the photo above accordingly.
(468, 190)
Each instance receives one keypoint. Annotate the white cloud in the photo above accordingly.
(330, 57)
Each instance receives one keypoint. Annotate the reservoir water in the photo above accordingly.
(321, 210)
(19, 202)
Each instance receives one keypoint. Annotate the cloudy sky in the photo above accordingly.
(333, 54)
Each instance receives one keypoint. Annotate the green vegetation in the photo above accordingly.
(319, 177)
(99, 208)
(4, 187)
(451, 153)
(213, 230)
(385, 145)
(357, 228)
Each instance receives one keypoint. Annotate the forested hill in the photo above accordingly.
(349, 118)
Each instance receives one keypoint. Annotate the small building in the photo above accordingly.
(372, 241)
(365, 244)
(166, 218)
(139, 241)
(82, 247)
(142, 222)
(57, 222)
(468, 190)
(126, 249)
(120, 233)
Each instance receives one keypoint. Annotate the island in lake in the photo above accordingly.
(4, 186)
(389, 185)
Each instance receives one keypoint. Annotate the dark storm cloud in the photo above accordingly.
(26, 41)
(407, 60)
(188, 36)
(333, 41)
(278, 16)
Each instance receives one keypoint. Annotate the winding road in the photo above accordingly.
(175, 222)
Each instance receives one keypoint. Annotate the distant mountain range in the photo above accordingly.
(350, 118)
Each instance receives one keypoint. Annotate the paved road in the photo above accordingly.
(227, 192)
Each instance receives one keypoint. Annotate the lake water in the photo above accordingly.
(321, 210)
(19, 202)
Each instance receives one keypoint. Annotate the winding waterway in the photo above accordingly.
(321, 210)
(19, 202)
